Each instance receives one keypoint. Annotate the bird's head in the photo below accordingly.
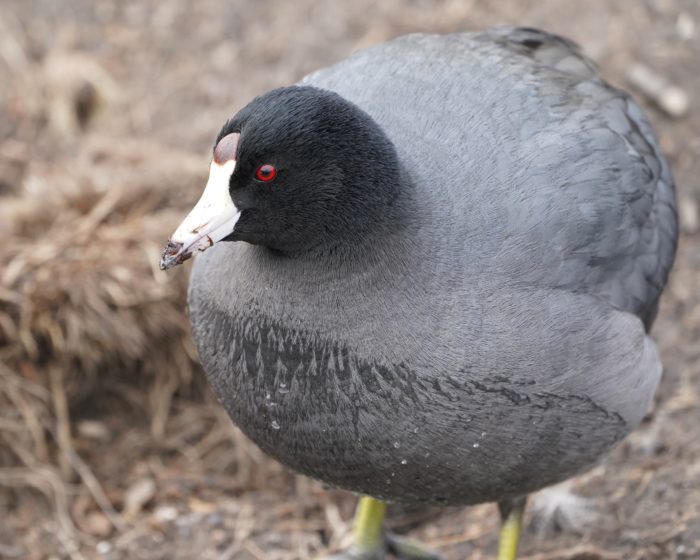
(296, 168)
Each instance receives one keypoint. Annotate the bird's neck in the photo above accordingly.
(393, 218)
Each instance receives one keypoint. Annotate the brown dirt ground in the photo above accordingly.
(98, 95)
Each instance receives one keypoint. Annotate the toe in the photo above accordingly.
(407, 549)
(355, 554)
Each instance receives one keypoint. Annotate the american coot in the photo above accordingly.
(455, 248)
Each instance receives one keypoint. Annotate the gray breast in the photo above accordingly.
(503, 414)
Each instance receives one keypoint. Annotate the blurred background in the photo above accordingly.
(111, 445)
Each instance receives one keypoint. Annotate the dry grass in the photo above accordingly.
(82, 305)
(95, 352)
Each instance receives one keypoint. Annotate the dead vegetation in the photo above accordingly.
(110, 444)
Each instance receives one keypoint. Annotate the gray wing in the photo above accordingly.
(627, 262)
(545, 48)
(555, 178)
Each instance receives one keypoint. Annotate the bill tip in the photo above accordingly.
(173, 255)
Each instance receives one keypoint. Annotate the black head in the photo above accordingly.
(309, 169)
(334, 170)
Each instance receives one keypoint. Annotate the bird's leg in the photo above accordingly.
(372, 542)
(369, 522)
(511, 525)
(368, 532)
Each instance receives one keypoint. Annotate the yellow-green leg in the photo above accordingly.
(369, 523)
(372, 542)
(511, 527)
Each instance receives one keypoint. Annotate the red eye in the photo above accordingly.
(265, 173)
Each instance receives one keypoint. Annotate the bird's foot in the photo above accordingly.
(407, 549)
(373, 542)
(356, 554)
(392, 545)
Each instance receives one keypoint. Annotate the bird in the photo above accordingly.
(429, 273)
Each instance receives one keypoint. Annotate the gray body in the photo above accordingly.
(496, 342)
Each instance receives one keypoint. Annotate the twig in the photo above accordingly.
(161, 397)
(33, 425)
(9, 376)
(230, 552)
(93, 485)
(255, 550)
(41, 479)
(471, 534)
(60, 405)
(583, 551)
